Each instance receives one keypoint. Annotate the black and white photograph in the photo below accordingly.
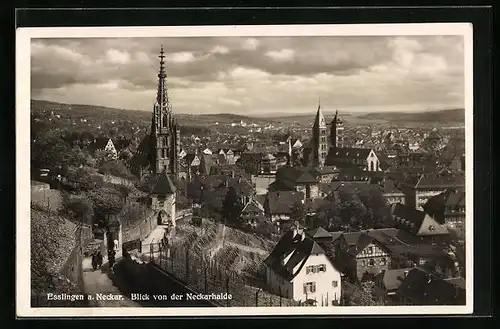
(244, 170)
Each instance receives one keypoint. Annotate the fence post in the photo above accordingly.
(172, 261)
(205, 272)
(227, 289)
(187, 265)
(257, 297)
(279, 293)
(160, 253)
(151, 255)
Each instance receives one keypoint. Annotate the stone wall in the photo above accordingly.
(140, 230)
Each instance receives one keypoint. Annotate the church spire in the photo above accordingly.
(319, 122)
(162, 94)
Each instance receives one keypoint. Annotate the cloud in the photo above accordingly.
(181, 57)
(283, 55)
(240, 74)
(250, 44)
(219, 50)
(117, 57)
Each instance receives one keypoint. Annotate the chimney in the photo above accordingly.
(405, 274)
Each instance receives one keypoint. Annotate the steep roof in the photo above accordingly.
(319, 233)
(319, 120)
(253, 206)
(393, 278)
(440, 181)
(422, 288)
(281, 202)
(163, 185)
(350, 153)
(290, 254)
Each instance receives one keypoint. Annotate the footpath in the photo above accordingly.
(103, 282)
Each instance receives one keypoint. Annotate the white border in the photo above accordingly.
(23, 41)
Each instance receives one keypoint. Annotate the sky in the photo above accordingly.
(254, 76)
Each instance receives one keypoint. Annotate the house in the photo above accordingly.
(192, 162)
(416, 222)
(423, 288)
(418, 192)
(326, 174)
(297, 179)
(162, 198)
(103, 144)
(253, 213)
(298, 268)
(387, 284)
(360, 256)
(268, 164)
(363, 158)
(448, 208)
(278, 205)
(391, 193)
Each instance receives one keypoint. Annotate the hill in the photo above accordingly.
(108, 113)
(440, 116)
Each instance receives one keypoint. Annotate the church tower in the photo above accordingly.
(320, 141)
(165, 132)
(337, 132)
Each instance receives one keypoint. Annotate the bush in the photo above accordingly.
(115, 168)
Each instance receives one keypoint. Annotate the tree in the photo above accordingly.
(107, 202)
(84, 180)
(328, 215)
(374, 201)
(351, 210)
(81, 209)
(232, 207)
(363, 295)
(115, 168)
(298, 212)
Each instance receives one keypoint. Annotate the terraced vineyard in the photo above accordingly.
(217, 259)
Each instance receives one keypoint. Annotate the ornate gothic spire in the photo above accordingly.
(162, 93)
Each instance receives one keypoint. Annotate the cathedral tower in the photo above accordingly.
(165, 133)
(320, 141)
(337, 132)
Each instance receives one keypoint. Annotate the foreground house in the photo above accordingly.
(298, 268)
(422, 288)
(360, 256)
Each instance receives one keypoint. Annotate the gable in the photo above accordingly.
(431, 227)
(196, 161)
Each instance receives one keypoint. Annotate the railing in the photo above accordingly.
(209, 276)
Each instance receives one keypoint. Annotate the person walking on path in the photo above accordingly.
(94, 260)
(99, 259)
(111, 258)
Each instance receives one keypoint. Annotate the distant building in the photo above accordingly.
(298, 268)
(418, 191)
(391, 193)
(278, 206)
(416, 222)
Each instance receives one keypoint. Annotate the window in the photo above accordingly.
(363, 263)
(372, 262)
(370, 250)
(309, 287)
(383, 261)
(316, 268)
(335, 284)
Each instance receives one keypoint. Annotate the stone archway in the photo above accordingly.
(163, 218)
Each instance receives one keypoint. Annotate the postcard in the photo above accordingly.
(244, 170)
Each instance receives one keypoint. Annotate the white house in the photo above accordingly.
(110, 147)
(299, 269)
